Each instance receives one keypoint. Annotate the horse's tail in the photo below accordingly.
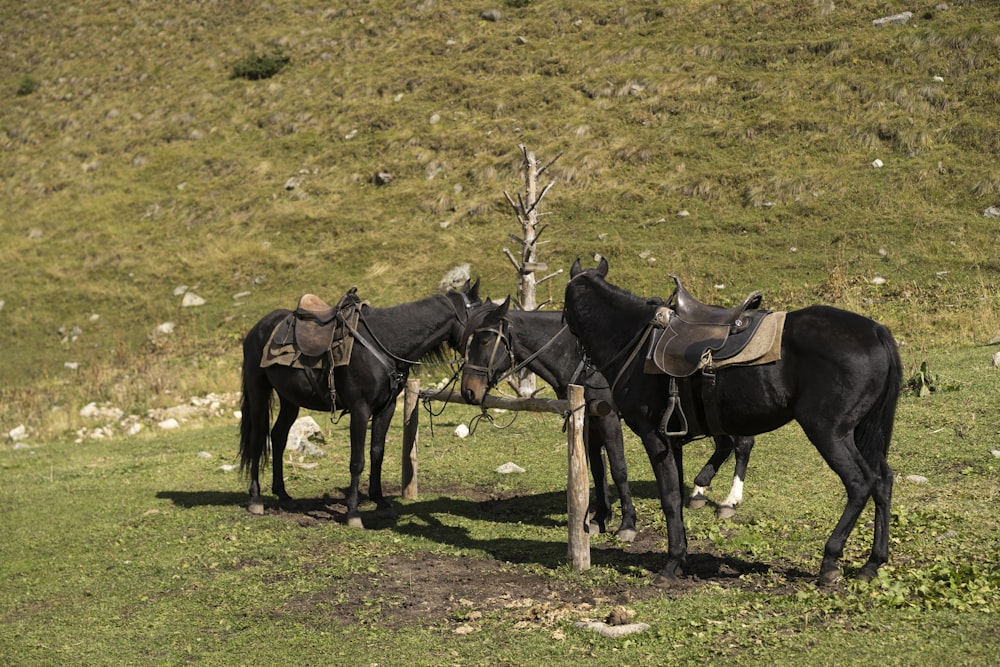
(874, 432)
(255, 408)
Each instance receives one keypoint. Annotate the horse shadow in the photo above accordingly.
(420, 519)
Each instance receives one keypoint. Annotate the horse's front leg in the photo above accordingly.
(742, 445)
(663, 456)
(359, 430)
(380, 427)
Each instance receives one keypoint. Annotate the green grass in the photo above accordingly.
(139, 551)
(137, 164)
(133, 163)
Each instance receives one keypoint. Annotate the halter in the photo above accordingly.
(489, 371)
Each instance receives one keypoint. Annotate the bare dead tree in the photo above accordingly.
(526, 208)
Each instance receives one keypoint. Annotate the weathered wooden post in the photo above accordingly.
(577, 489)
(411, 397)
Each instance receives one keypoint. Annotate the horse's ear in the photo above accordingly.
(473, 291)
(504, 307)
(576, 269)
(602, 267)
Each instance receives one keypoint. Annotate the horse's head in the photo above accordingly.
(464, 302)
(578, 284)
(487, 351)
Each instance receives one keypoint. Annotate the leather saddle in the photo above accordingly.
(689, 334)
(315, 333)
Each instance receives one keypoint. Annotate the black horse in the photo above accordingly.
(389, 342)
(498, 340)
(839, 377)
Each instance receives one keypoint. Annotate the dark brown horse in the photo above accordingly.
(388, 342)
(839, 377)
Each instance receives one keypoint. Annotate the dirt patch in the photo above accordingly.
(430, 589)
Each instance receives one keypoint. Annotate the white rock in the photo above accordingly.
(509, 468)
(168, 424)
(180, 289)
(996, 359)
(606, 630)
(303, 433)
(2, 302)
(133, 428)
(227, 467)
(878, 280)
(71, 365)
(191, 299)
(241, 295)
(878, 164)
(916, 479)
(995, 453)
(895, 19)
(992, 212)
(19, 433)
(165, 329)
(462, 431)
(204, 455)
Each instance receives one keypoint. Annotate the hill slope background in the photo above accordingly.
(133, 163)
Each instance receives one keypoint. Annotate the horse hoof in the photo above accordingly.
(725, 512)
(665, 582)
(355, 522)
(697, 503)
(868, 572)
(627, 535)
(256, 508)
(386, 513)
(829, 578)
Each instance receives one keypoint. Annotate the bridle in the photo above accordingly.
(489, 371)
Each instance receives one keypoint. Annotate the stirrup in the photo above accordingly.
(673, 404)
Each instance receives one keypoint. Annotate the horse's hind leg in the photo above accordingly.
(359, 431)
(882, 496)
(843, 457)
(279, 440)
(723, 448)
(742, 445)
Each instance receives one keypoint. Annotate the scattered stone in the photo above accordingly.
(2, 302)
(18, 433)
(293, 182)
(456, 277)
(462, 431)
(992, 212)
(994, 341)
(612, 631)
(895, 19)
(302, 436)
(241, 295)
(683, 213)
(180, 290)
(106, 411)
(510, 468)
(916, 479)
(995, 453)
(205, 455)
(435, 118)
(491, 15)
(996, 359)
(191, 299)
(227, 467)
(878, 280)
(878, 164)
(72, 365)
(382, 178)
(464, 629)
(168, 424)
(35, 234)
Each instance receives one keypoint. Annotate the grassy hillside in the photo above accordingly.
(134, 163)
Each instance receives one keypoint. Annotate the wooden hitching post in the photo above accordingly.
(577, 489)
(411, 396)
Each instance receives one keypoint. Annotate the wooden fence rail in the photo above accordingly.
(577, 487)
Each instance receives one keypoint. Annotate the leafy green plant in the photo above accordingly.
(924, 383)
(27, 85)
(260, 66)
